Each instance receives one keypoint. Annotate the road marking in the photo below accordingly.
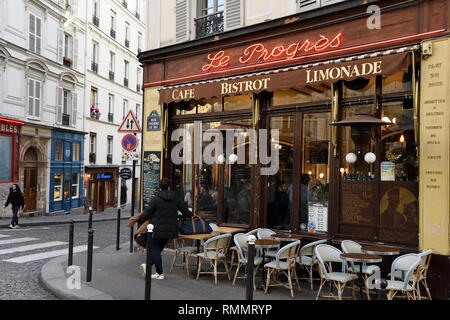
(3, 236)
(32, 247)
(18, 240)
(46, 255)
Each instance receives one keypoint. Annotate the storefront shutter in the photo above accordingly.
(74, 109)
(59, 105)
(181, 20)
(306, 5)
(233, 14)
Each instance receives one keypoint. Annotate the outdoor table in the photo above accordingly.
(265, 244)
(199, 238)
(231, 230)
(381, 251)
(286, 237)
(360, 258)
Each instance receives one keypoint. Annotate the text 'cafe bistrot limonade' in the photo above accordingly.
(362, 119)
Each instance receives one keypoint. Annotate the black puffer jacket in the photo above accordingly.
(163, 210)
(16, 199)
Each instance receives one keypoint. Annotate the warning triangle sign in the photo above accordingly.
(129, 124)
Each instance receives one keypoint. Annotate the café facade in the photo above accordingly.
(357, 117)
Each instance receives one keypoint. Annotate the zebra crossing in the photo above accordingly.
(24, 249)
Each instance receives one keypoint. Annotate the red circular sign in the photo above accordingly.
(129, 142)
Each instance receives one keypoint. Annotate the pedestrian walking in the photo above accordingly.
(15, 198)
(163, 213)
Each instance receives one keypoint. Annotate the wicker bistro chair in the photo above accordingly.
(425, 258)
(307, 259)
(185, 252)
(288, 253)
(369, 271)
(240, 239)
(409, 263)
(215, 249)
(265, 234)
(326, 255)
(235, 249)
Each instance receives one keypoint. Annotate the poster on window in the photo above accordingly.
(317, 216)
(152, 171)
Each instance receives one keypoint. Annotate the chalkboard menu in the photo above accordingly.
(152, 169)
(357, 201)
(154, 121)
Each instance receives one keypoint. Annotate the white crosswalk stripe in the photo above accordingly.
(3, 236)
(32, 247)
(46, 255)
(18, 240)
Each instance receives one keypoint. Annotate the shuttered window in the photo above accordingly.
(181, 20)
(34, 97)
(233, 14)
(306, 5)
(35, 34)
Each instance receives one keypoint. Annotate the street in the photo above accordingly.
(24, 251)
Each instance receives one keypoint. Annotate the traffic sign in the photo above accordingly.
(129, 142)
(130, 155)
(125, 173)
(129, 124)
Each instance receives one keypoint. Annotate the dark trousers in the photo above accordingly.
(15, 219)
(158, 247)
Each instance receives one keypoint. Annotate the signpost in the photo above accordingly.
(129, 152)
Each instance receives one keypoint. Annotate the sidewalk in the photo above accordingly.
(116, 275)
(27, 221)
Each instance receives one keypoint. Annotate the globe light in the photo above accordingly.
(321, 175)
(370, 157)
(220, 158)
(233, 158)
(350, 157)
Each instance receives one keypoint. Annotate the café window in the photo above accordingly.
(399, 161)
(183, 172)
(398, 82)
(75, 185)
(306, 94)
(6, 147)
(57, 191)
(76, 152)
(184, 108)
(360, 87)
(67, 186)
(241, 102)
(58, 150)
(208, 106)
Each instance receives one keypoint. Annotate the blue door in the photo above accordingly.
(67, 192)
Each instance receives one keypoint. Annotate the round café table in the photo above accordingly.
(381, 251)
(361, 258)
(264, 244)
(286, 237)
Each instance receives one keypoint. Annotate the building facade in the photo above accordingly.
(356, 115)
(42, 85)
(116, 35)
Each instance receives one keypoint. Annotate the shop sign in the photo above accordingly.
(102, 176)
(154, 121)
(125, 173)
(9, 128)
(259, 52)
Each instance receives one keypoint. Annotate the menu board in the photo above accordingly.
(152, 171)
(357, 201)
(317, 216)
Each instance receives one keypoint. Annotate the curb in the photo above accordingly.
(44, 223)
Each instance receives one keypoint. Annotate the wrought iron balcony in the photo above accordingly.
(125, 3)
(127, 43)
(209, 25)
(138, 87)
(137, 15)
(139, 51)
(111, 75)
(109, 158)
(94, 67)
(67, 62)
(111, 117)
(112, 33)
(65, 119)
(95, 20)
(125, 82)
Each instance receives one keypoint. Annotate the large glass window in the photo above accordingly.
(238, 102)
(360, 87)
(183, 172)
(280, 185)
(58, 150)
(207, 106)
(315, 177)
(6, 145)
(67, 186)
(307, 94)
(75, 184)
(57, 194)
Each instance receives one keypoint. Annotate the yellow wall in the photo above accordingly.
(435, 148)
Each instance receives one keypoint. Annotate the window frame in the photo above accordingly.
(60, 186)
(33, 82)
(37, 38)
(75, 182)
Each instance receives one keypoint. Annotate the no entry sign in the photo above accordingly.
(129, 142)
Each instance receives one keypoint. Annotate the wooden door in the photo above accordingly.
(101, 196)
(30, 189)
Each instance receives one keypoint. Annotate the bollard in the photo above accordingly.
(89, 255)
(381, 292)
(250, 266)
(148, 266)
(90, 218)
(70, 258)
(118, 230)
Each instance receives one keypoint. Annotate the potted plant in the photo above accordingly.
(95, 113)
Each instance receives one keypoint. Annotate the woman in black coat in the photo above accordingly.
(163, 212)
(16, 199)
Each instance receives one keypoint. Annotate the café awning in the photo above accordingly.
(298, 76)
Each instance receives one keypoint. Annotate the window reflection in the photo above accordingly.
(360, 87)
(183, 173)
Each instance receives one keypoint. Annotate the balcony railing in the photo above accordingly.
(111, 117)
(95, 20)
(94, 67)
(139, 51)
(125, 82)
(138, 87)
(112, 33)
(111, 75)
(125, 3)
(127, 43)
(67, 62)
(109, 158)
(137, 15)
(209, 25)
(92, 157)
(65, 119)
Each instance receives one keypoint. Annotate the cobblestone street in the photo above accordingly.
(20, 281)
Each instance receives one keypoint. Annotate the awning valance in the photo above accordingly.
(350, 68)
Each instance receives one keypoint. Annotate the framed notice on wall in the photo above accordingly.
(387, 171)
(317, 216)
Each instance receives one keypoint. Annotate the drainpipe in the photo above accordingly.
(84, 93)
